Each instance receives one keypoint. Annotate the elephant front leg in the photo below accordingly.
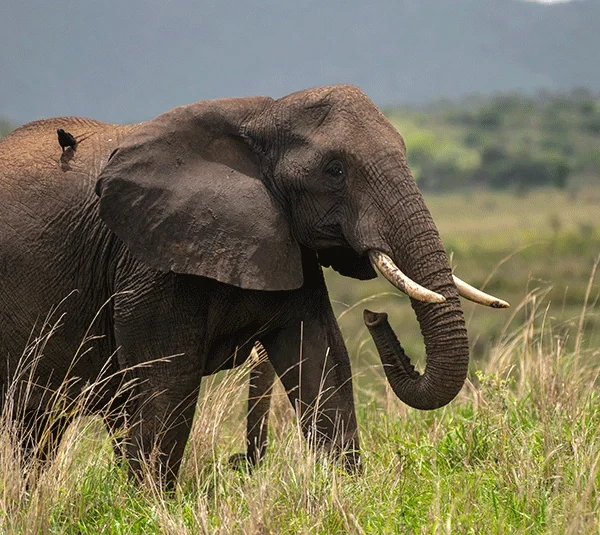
(162, 361)
(310, 358)
(158, 422)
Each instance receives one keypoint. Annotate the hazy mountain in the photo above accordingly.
(127, 61)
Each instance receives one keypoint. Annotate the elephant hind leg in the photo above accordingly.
(115, 419)
(262, 378)
(40, 436)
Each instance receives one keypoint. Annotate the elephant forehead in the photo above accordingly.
(351, 113)
(321, 100)
(360, 135)
(336, 93)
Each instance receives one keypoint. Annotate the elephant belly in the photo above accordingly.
(226, 354)
(49, 308)
(52, 349)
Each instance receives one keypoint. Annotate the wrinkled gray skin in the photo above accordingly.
(205, 230)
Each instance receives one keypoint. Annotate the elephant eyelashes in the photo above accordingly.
(336, 169)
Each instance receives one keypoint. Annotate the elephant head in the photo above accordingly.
(235, 189)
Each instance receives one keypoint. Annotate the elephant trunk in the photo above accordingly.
(420, 254)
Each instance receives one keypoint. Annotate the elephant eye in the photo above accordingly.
(335, 169)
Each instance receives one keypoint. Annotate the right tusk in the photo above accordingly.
(392, 273)
(477, 296)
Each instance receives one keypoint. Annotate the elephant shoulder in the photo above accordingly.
(41, 125)
(40, 137)
(39, 182)
(31, 157)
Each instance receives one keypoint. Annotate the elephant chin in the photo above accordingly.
(347, 262)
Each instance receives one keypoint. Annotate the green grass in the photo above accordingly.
(517, 452)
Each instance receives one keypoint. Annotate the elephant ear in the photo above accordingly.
(184, 193)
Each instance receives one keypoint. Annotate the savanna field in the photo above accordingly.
(517, 452)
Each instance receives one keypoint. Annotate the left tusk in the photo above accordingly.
(392, 273)
(477, 296)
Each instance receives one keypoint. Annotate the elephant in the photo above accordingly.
(177, 243)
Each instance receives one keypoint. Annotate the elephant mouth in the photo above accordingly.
(350, 263)
(346, 261)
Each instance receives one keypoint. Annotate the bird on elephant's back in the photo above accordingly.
(182, 241)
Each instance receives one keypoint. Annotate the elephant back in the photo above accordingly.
(35, 172)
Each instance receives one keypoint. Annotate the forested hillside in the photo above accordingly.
(505, 141)
(87, 61)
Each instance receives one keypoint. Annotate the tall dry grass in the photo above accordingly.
(517, 452)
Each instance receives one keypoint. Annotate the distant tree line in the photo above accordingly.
(509, 141)
(5, 127)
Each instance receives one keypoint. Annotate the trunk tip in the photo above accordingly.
(373, 319)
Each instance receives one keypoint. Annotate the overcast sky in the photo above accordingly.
(125, 61)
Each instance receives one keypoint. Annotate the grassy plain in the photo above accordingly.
(517, 452)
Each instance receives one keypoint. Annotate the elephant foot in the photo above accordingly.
(242, 462)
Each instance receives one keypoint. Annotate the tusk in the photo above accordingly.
(477, 296)
(392, 273)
